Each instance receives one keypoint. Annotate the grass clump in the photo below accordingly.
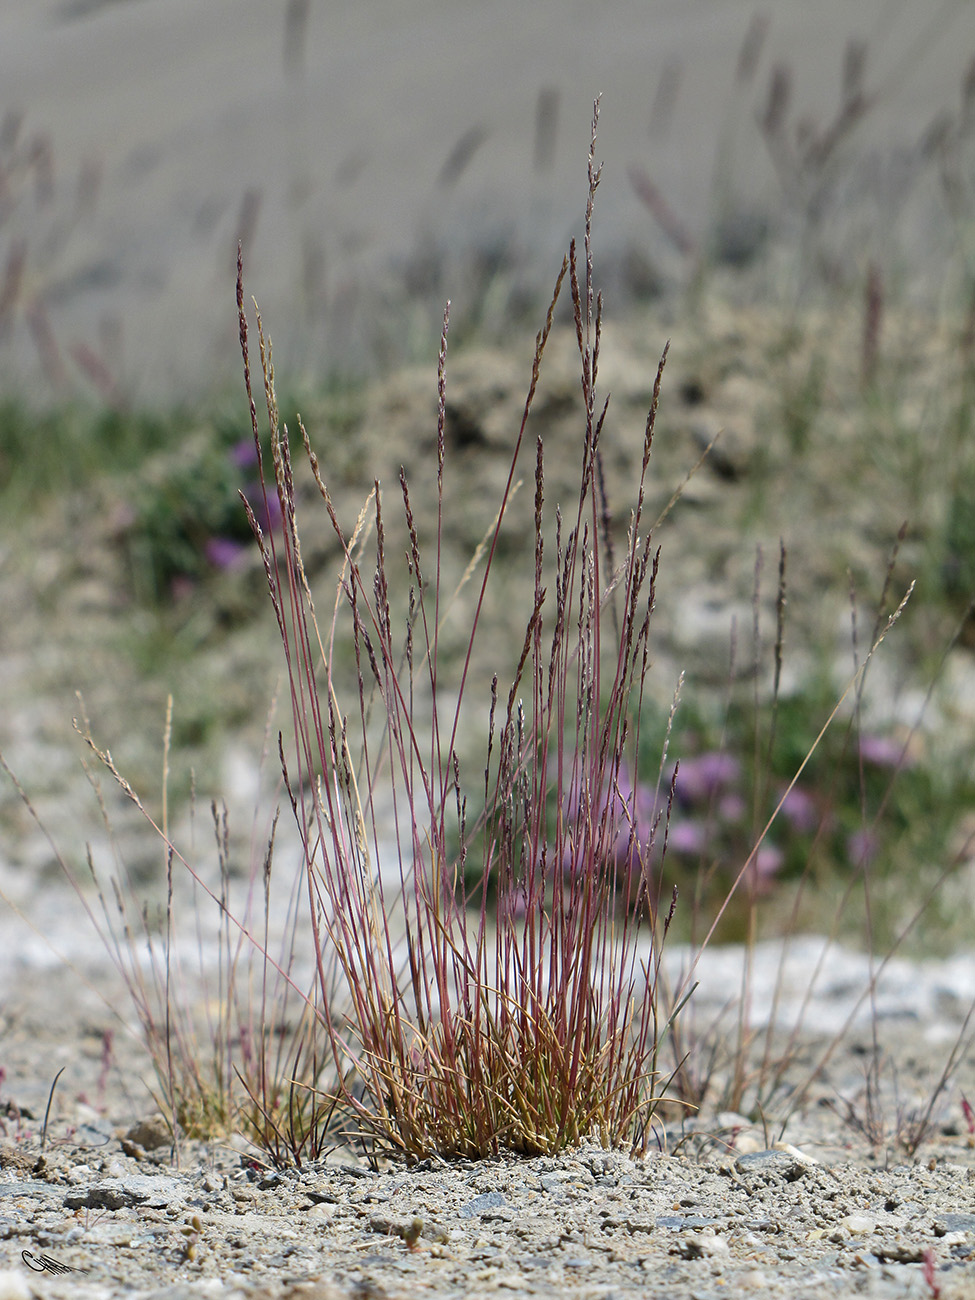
(228, 1018)
(536, 1022)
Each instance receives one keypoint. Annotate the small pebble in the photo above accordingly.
(859, 1224)
(150, 1133)
(752, 1279)
(13, 1286)
(487, 1201)
(703, 1245)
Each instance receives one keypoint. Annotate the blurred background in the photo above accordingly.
(788, 193)
(377, 158)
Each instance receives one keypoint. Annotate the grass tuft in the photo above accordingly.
(531, 1021)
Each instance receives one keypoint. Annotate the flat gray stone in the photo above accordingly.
(946, 1223)
(488, 1201)
(121, 1193)
(28, 1187)
(684, 1221)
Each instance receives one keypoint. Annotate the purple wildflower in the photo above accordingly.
(763, 868)
(244, 454)
(686, 837)
(768, 861)
(862, 847)
(732, 807)
(800, 811)
(884, 751)
(270, 517)
(624, 817)
(224, 552)
(701, 777)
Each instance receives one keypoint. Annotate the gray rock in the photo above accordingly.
(121, 1193)
(684, 1221)
(488, 1201)
(946, 1223)
(151, 1133)
(782, 1165)
(29, 1187)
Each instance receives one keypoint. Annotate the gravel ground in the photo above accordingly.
(718, 1206)
(589, 1223)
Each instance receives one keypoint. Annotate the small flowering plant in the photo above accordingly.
(183, 519)
(841, 815)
